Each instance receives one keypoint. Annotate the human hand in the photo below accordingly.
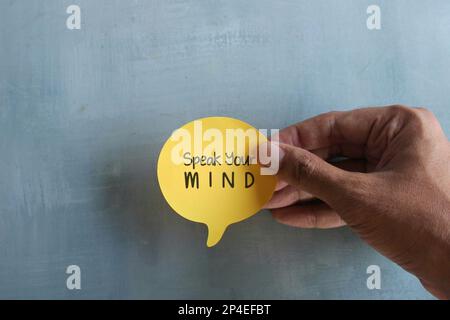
(393, 188)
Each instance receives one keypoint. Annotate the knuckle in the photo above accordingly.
(421, 118)
(402, 110)
(398, 108)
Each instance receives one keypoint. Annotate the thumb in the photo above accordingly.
(305, 170)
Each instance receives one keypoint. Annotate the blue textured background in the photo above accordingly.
(84, 113)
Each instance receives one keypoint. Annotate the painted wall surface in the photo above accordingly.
(84, 113)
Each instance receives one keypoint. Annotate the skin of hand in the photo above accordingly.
(392, 186)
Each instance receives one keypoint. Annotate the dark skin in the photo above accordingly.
(393, 188)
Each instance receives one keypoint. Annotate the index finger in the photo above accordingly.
(343, 133)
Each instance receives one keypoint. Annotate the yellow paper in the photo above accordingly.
(227, 188)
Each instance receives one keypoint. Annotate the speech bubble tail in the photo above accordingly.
(215, 233)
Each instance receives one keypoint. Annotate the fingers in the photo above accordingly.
(287, 196)
(310, 215)
(359, 133)
(333, 128)
(304, 170)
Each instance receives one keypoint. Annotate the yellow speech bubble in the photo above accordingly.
(208, 174)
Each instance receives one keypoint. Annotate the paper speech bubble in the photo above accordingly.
(207, 174)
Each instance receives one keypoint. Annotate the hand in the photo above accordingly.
(393, 188)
